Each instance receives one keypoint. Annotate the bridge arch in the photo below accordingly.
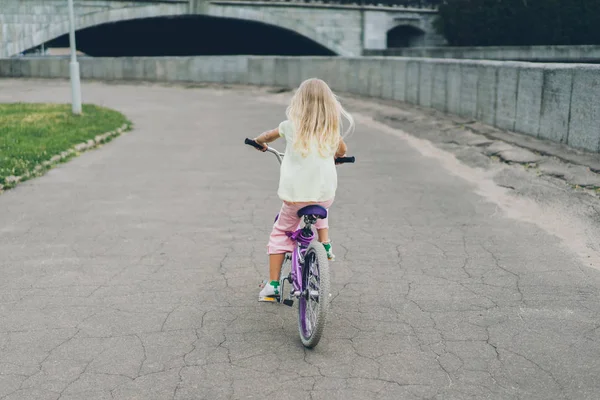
(189, 36)
(405, 35)
(50, 31)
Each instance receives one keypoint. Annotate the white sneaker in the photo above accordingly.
(270, 292)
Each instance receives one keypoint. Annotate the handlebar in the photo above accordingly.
(253, 143)
(250, 142)
(344, 160)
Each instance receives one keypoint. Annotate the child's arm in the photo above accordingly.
(267, 137)
(342, 149)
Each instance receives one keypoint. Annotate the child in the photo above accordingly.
(308, 175)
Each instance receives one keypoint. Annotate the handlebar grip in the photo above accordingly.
(253, 143)
(344, 160)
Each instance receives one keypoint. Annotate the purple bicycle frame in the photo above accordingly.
(302, 243)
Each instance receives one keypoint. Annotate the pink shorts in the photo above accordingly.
(288, 221)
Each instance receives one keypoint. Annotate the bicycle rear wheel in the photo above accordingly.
(314, 302)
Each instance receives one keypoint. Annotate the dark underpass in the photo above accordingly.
(190, 36)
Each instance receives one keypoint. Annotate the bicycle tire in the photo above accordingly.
(311, 330)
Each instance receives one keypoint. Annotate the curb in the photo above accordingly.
(39, 170)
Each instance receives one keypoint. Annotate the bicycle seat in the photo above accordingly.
(313, 209)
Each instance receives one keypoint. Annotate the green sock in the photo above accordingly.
(275, 284)
(327, 246)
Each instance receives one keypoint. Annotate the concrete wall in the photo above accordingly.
(577, 54)
(557, 102)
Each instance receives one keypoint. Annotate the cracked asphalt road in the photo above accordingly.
(132, 272)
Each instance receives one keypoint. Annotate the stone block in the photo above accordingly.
(469, 77)
(519, 156)
(376, 78)
(117, 68)
(35, 67)
(352, 76)
(198, 69)
(183, 69)
(439, 82)
(268, 71)
(312, 68)
(412, 82)
(129, 69)
(400, 77)
(86, 65)
(5, 67)
(229, 69)
(454, 83)
(101, 68)
(425, 83)
(180, 70)
(16, 67)
(306, 69)
(320, 68)
(387, 79)
(255, 70)
(556, 104)
(214, 69)
(25, 67)
(294, 73)
(98, 69)
(138, 69)
(281, 71)
(59, 68)
(363, 67)
(584, 128)
(374, 36)
(486, 93)
(43, 68)
(529, 100)
(240, 69)
(329, 71)
(334, 78)
(150, 69)
(506, 97)
(345, 76)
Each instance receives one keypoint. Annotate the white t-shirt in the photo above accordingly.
(305, 179)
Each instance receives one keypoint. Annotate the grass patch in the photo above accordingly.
(31, 134)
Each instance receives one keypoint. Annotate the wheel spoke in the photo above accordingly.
(312, 300)
(312, 306)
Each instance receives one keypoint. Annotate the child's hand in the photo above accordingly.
(337, 156)
(264, 146)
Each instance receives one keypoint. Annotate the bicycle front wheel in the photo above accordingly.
(314, 301)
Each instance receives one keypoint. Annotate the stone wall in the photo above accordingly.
(557, 102)
(577, 54)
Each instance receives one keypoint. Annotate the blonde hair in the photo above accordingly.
(317, 115)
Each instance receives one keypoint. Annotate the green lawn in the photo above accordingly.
(33, 133)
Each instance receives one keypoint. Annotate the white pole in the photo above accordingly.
(74, 66)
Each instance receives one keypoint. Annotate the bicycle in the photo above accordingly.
(306, 269)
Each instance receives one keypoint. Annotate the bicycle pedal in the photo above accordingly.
(269, 299)
(288, 302)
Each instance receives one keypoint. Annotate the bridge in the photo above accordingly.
(346, 29)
